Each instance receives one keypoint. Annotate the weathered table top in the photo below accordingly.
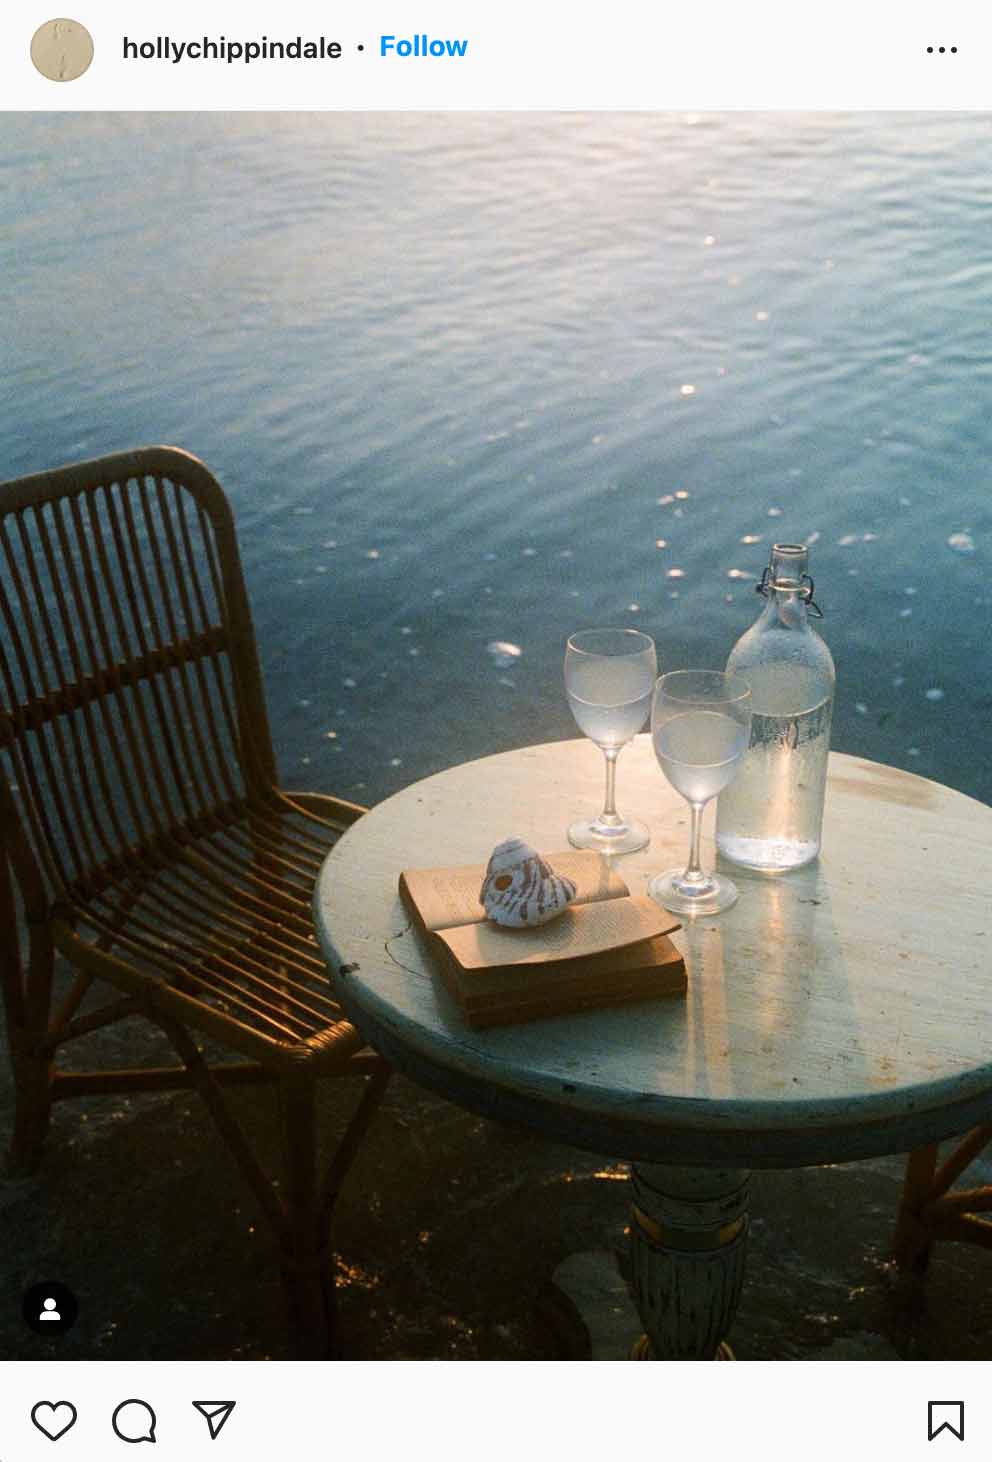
(839, 1011)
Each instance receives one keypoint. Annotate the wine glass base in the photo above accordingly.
(630, 837)
(711, 896)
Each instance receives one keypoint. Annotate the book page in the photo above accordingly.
(447, 897)
(583, 929)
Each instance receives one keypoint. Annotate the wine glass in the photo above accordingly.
(700, 726)
(609, 676)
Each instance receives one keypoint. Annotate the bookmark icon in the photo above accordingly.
(945, 1416)
(215, 1414)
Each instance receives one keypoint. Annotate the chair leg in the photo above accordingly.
(912, 1238)
(347, 1149)
(27, 1003)
(308, 1256)
(32, 1104)
(307, 1264)
(301, 1215)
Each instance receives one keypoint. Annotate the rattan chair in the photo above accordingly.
(144, 836)
(930, 1210)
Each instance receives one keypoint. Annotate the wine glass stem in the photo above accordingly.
(694, 872)
(609, 813)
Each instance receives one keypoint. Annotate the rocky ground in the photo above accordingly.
(448, 1232)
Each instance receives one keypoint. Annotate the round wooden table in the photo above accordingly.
(837, 1012)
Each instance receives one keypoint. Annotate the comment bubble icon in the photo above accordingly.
(134, 1421)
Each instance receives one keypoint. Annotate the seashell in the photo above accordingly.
(520, 890)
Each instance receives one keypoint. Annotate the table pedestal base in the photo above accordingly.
(642, 1349)
(688, 1237)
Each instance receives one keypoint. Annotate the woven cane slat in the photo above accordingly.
(228, 941)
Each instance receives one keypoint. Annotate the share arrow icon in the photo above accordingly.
(215, 1414)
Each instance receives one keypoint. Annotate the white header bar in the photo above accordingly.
(548, 55)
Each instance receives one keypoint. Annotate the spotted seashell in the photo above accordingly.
(520, 889)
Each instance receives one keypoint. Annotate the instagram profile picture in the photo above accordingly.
(62, 49)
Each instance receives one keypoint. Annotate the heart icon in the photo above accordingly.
(54, 1418)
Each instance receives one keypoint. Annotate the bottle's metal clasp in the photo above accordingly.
(763, 587)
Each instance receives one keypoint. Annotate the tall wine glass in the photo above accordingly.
(609, 676)
(700, 726)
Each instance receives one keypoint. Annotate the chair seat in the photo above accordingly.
(218, 915)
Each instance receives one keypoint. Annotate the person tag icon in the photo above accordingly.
(49, 1308)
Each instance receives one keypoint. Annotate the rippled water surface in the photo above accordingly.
(476, 381)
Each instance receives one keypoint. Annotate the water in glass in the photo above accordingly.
(700, 726)
(609, 678)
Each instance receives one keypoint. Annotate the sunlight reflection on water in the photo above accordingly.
(468, 374)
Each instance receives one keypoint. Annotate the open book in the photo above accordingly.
(605, 948)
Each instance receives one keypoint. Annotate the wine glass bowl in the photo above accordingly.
(700, 728)
(609, 678)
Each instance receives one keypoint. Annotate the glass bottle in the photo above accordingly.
(771, 815)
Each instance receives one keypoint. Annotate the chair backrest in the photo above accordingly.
(131, 701)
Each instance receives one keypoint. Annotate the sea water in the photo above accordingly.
(483, 378)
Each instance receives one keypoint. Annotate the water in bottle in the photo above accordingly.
(770, 817)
